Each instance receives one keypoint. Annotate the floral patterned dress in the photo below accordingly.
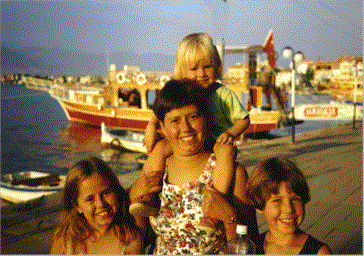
(180, 212)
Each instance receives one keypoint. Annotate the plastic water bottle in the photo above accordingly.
(242, 243)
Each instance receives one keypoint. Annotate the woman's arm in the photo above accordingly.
(246, 213)
(217, 207)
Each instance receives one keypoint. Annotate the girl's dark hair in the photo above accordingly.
(179, 93)
(267, 176)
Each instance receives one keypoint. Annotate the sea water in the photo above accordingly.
(37, 136)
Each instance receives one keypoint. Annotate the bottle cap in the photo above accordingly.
(241, 229)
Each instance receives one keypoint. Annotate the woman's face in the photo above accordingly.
(284, 212)
(185, 130)
(97, 202)
(203, 72)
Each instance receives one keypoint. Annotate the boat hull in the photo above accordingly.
(25, 186)
(24, 194)
(115, 117)
(132, 141)
(137, 119)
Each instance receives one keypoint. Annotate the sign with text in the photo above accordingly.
(328, 112)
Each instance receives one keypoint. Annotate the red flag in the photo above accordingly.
(269, 49)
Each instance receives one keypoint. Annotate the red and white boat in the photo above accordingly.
(104, 105)
(109, 103)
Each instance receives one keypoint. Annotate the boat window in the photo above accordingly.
(151, 96)
(129, 97)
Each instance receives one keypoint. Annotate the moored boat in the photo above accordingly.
(125, 101)
(110, 106)
(130, 140)
(28, 185)
(332, 111)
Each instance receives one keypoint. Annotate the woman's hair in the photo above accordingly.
(177, 94)
(73, 227)
(267, 176)
(193, 48)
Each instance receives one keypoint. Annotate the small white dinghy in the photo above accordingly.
(29, 185)
(129, 140)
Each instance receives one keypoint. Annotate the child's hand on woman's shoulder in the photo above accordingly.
(223, 150)
(225, 138)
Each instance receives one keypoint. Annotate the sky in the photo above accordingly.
(324, 29)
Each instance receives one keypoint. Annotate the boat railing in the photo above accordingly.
(84, 96)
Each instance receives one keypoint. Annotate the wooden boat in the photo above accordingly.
(130, 140)
(106, 105)
(25, 186)
(125, 101)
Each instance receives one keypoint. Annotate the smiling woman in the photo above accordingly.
(95, 217)
(186, 172)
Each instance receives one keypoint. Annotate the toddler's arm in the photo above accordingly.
(234, 131)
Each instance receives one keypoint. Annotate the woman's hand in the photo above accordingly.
(216, 206)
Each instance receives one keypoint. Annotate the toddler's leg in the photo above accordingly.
(145, 199)
(222, 178)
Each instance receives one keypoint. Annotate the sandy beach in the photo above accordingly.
(331, 159)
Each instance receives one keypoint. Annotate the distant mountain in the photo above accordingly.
(13, 61)
(56, 61)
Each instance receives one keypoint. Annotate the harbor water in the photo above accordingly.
(36, 135)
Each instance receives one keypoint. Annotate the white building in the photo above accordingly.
(85, 79)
